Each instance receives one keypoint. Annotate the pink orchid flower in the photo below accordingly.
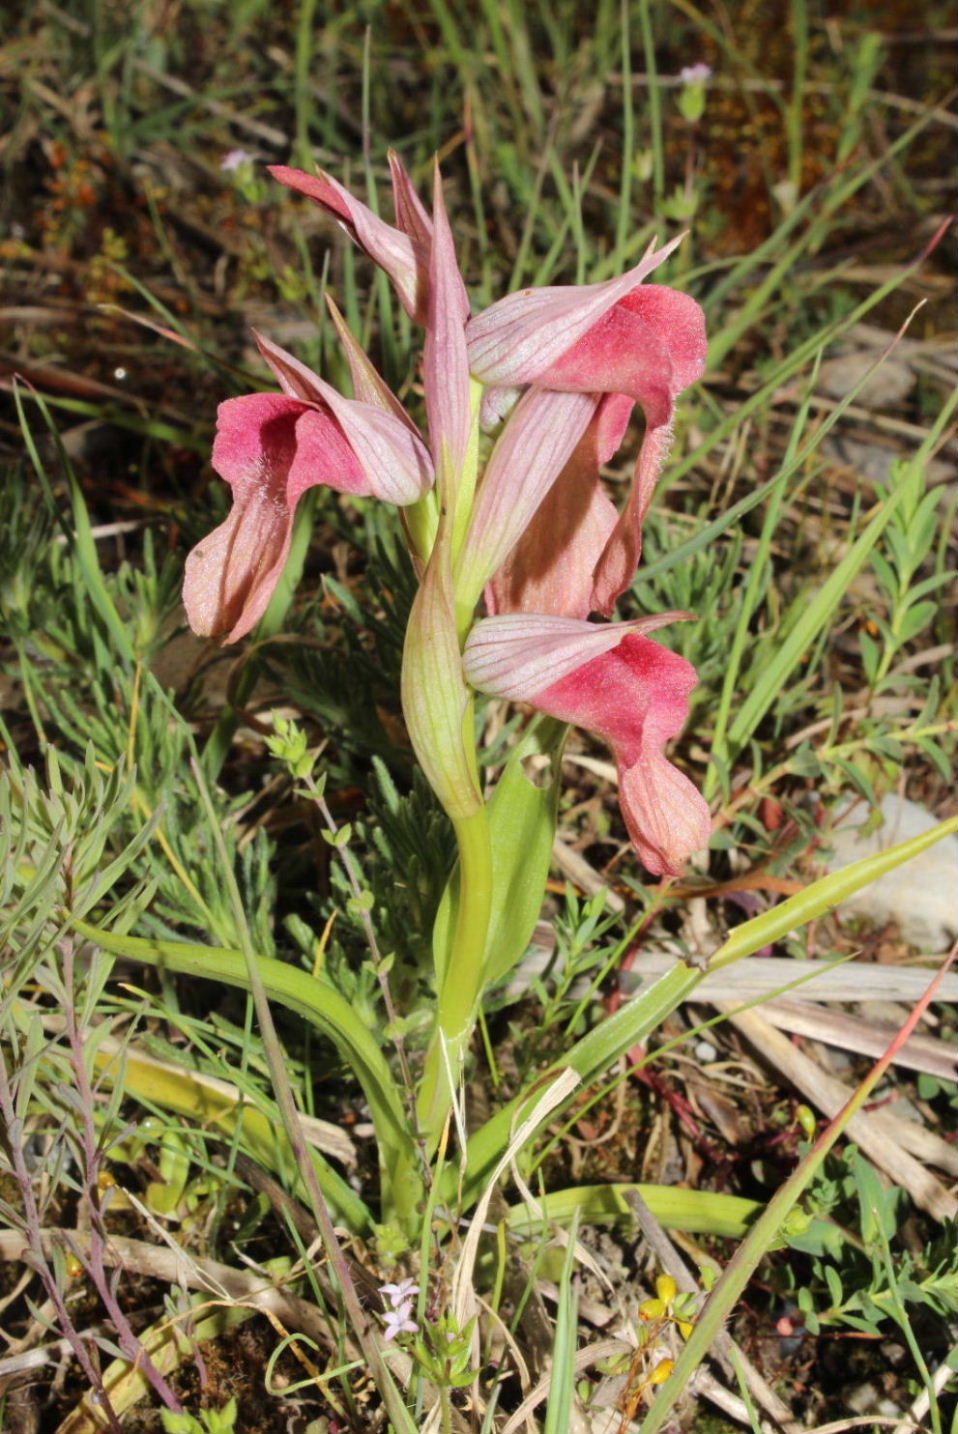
(612, 680)
(627, 343)
(622, 342)
(272, 447)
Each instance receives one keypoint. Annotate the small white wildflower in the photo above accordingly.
(695, 74)
(398, 1321)
(235, 159)
(400, 1294)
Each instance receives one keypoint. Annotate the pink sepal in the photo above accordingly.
(404, 256)
(393, 457)
(517, 339)
(518, 654)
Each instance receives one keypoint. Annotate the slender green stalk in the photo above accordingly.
(794, 111)
(655, 102)
(750, 598)
(462, 981)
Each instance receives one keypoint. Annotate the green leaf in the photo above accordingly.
(886, 575)
(834, 1284)
(696, 1212)
(938, 758)
(871, 656)
(522, 820)
(310, 996)
(858, 778)
(916, 618)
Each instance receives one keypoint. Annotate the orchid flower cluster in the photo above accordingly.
(553, 375)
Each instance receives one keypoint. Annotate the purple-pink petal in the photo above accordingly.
(403, 257)
(270, 448)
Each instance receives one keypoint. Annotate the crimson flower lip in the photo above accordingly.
(271, 448)
(612, 680)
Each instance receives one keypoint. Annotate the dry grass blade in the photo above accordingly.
(852, 1033)
(879, 1135)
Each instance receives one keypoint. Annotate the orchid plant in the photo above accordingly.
(515, 558)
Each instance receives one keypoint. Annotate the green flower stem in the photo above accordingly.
(461, 984)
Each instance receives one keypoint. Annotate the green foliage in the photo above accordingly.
(209, 1421)
(103, 816)
(864, 1276)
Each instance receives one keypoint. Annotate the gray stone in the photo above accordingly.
(921, 896)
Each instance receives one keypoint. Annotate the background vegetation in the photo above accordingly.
(806, 517)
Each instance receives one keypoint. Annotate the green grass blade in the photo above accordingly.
(822, 606)
(822, 895)
(314, 999)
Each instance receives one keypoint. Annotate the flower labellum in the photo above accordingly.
(271, 448)
(615, 682)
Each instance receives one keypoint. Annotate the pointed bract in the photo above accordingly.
(403, 255)
(435, 699)
(551, 569)
(532, 450)
(445, 363)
